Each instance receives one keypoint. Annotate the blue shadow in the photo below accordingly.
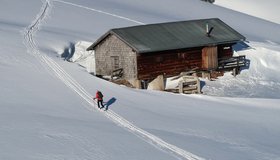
(68, 52)
(240, 46)
(110, 102)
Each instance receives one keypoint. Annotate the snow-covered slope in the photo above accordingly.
(267, 10)
(46, 110)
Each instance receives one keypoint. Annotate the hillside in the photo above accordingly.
(47, 111)
(267, 10)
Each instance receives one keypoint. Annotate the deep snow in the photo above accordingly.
(46, 110)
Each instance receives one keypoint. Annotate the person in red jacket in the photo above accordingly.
(99, 97)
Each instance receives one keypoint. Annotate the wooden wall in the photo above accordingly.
(168, 63)
(225, 51)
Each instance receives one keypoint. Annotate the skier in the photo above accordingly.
(99, 97)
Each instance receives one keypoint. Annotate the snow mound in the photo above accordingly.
(83, 57)
(260, 80)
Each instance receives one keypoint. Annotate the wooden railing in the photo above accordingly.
(230, 63)
(117, 73)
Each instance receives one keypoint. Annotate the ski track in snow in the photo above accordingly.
(96, 10)
(32, 48)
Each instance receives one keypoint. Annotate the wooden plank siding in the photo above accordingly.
(171, 63)
(225, 51)
(209, 58)
(168, 63)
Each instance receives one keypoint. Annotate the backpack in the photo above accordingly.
(100, 95)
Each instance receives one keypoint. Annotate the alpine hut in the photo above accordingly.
(146, 51)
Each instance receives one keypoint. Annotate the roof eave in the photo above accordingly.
(104, 36)
(123, 40)
(195, 46)
(99, 40)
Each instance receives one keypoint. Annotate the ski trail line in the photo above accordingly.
(28, 40)
(99, 11)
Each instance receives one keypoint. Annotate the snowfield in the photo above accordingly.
(267, 10)
(46, 107)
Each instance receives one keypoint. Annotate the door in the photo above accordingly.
(115, 62)
(210, 58)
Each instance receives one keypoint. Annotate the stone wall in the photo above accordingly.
(112, 53)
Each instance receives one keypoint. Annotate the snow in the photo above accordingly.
(260, 80)
(46, 107)
(80, 55)
(267, 10)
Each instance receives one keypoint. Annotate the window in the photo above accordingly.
(115, 60)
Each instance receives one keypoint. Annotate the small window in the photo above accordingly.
(115, 60)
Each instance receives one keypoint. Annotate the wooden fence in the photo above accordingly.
(231, 63)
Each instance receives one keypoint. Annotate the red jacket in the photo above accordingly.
(99, 96)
